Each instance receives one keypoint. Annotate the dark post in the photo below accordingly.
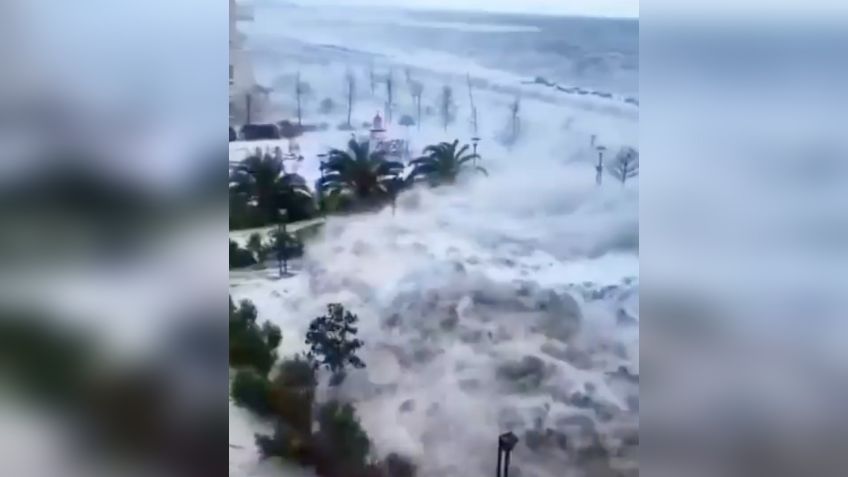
(279, 251)
(282, 244)
(500, 463)
(321, 204)
(599, 169)
(474, 141)
(249, 101)
(506, 442)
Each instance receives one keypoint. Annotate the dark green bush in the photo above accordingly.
(293, 394)
(296, 372)
(239, 257)
(252, 391)
(340, 443)
(256, 247)
(250, 344)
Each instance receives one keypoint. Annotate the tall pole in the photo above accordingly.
(249, 101)
(321, 203)
(506, 442)
(474, 141)
(282, 244)
(279, 250)
(599, 168)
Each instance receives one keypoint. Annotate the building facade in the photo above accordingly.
(246, 97)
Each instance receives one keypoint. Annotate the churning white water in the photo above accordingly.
(507, 302)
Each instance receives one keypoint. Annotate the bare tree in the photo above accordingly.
(372, 78)
(473, 106)
(625, 165)
(446, 106)
(390, 83)
(417, 90)
(350, 83)
(301, 92)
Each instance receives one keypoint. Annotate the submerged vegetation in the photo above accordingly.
(326, 436)
(443, 163)
(357, 178)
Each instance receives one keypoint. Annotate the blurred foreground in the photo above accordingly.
(112, 337)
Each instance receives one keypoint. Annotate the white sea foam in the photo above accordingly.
(501, 303)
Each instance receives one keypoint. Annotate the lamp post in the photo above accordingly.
(474, 141)
(322, 158)
(506, 442)
(599, 168)
(281, 243)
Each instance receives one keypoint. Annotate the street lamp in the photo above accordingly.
(322, 158)
(506, 442)
(474, 141)
(282, 243)
(599, 168)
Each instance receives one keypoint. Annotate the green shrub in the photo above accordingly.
(293, 394)
(340, 443)
(250, 344)
(252, 391)
(296, 372)
(292, 398)
(239, 257)
(256, 247)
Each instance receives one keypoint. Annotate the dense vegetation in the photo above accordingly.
(251, 345)
(262, 192)
(359, 177)
(338, 446)
(443, 163)
(355, 179)
(280, 245)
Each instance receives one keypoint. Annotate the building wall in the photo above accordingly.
(241, 77)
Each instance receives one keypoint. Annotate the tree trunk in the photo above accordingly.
(418, 106)
(349, 108)
(299, 115)
(599, 169)
(249, 107)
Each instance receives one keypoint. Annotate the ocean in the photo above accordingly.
(591, 53)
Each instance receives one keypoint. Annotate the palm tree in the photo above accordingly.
(442, 163)
(359, 172)
(264, 179)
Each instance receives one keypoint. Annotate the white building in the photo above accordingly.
(247, 98)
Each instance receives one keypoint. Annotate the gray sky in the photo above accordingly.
(606, 8)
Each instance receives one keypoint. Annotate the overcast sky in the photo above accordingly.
(605, 8)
